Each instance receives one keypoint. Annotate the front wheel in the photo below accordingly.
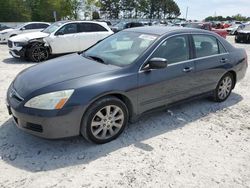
(105, 120)
(38, 53)
(224, 88)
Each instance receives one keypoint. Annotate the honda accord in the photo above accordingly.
(96, 93)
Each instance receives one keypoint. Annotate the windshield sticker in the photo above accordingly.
(147, 37)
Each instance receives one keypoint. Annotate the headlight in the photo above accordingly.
(20, 44)
(4, 33)
(50, 101)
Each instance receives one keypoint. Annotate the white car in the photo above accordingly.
(60, 38)
(24, 28)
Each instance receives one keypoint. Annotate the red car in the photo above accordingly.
(207, 26)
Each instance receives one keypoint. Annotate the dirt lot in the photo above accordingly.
(197, 144)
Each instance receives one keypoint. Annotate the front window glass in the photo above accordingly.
(69, 29)
(174, 49)
(121, 49)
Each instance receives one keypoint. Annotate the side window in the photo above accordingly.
(205, 45)
(221, 48)
(30, 26)
(68, 29)
(42, 26)
(174, 49)
(90, 27)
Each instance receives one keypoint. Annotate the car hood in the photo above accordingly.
(28, 36)
(6, 30)
(56, 71)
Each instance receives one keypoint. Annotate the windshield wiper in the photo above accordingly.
(95, 58)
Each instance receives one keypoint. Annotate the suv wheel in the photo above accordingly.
(38, 53)
(224, 88)
(105, 120)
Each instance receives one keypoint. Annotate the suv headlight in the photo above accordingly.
(20, 44)
(3, 33)
(50, 101)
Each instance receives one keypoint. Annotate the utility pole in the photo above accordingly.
(187, 12)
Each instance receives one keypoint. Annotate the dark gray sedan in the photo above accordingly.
(96, 93)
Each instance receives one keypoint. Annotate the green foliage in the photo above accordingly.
(14, 10)
(237, 17)
(37, 10)
(95, 15)
(140, 8)
(42, 10)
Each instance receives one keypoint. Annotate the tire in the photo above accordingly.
(224, 88)
(99, 126)
(37, 53)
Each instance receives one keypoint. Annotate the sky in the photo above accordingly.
(200, 9)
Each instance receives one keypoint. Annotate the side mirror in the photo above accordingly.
(22, 29)
(156, 63)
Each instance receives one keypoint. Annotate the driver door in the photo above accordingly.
(65, 39)
(175, 82)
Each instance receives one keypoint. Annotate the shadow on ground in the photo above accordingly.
(13, 60)
(34, 154)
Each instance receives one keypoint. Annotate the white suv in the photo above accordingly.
(60, 38)
(24, 28)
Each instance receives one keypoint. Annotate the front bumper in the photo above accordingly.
(50, 126)
(16, 51)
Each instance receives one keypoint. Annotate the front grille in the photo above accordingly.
(10, 44)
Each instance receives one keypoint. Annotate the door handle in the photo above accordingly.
(223, 60)
(188, 69)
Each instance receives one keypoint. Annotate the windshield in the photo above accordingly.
(120, 25)
(121, 49)
(247, 28)
(52, 27)
(19, 26)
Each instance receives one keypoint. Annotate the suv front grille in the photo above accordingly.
(10, 45)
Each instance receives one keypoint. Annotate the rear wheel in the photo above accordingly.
(38, 53)
(105, 120)
(224, 88)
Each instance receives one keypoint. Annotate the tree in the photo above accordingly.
(111, 8)
(95, 15)
(14, 10)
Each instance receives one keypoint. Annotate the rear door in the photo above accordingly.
(171, 84)
(211, 61)
(89, 34)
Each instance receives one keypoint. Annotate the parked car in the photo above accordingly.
(243, 35)
(59, 38)
(231, 30)
(206, 26)
(96, 93)
(24, 28)
(3, 27)
(125, 25)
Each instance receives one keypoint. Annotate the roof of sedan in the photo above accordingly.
(161, 30)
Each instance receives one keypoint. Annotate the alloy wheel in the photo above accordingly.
(40, 53)
(107, 122)
(225, 87)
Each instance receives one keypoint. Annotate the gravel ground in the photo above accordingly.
(196, 144)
